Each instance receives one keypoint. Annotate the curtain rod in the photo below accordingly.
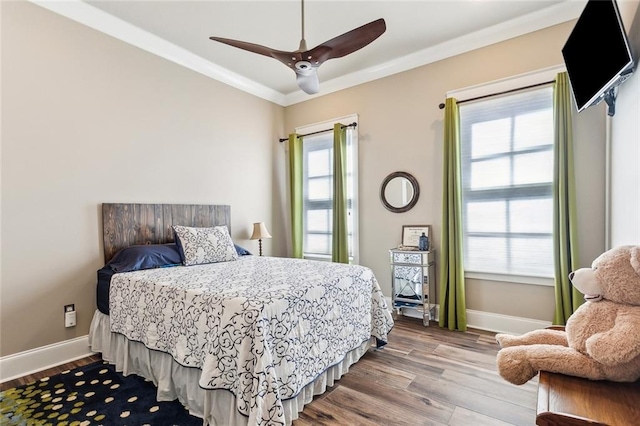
(354, 124)
(441, 106)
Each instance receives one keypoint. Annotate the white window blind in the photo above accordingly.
(507, 175)
(317, 171)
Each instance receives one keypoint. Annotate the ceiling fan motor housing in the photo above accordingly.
(304, 67)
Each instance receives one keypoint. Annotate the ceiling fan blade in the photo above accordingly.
(308, 81)
(307, 76)
(347, 43)
(251, 47)
(287, 58)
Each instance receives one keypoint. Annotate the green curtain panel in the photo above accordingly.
(565, 241)
(340, 241)
(453, 309)
(295, 194)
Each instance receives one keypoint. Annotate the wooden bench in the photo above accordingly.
(573, 401)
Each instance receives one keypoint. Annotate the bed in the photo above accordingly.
(238, 339)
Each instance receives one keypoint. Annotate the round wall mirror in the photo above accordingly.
(399, 192)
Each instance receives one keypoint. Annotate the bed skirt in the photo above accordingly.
(215, 407)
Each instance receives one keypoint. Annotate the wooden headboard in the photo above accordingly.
(124, 225)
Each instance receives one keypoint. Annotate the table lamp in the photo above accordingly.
(260, 232)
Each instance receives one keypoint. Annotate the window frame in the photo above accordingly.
(499, 86)
(320, 126)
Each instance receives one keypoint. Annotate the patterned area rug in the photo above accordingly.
(91, 395)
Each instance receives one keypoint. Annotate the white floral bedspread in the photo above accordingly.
(261, 327)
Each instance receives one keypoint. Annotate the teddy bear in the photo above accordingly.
(601, 340)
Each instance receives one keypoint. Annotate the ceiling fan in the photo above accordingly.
(305, 62)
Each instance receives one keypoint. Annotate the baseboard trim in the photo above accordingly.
(489, 321)
(38, 359)
(499, 323)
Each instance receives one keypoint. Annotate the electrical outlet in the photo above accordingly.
(69, 315)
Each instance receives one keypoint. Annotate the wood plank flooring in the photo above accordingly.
(424, 376)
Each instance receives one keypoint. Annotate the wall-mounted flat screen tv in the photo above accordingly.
(597, 53)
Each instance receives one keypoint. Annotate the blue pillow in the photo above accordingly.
(241, 251)
(135, 258)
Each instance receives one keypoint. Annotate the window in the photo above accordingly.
(317, 172)
(507, 176)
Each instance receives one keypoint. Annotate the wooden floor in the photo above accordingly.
(424, 376)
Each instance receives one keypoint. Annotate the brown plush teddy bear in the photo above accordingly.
(601, 340)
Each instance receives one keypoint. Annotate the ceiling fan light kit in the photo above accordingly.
(305, 62)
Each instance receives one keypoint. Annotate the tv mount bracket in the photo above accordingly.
(610, 100)
(610, 95)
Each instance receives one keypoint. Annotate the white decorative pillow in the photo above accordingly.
(204, 245)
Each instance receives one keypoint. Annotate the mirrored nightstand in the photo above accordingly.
(413, 283)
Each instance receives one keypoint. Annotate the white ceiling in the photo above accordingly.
(418, 32)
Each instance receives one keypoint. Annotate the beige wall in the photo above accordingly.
(88, 119)
(400, 128)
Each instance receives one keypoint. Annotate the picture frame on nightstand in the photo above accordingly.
(411, 234)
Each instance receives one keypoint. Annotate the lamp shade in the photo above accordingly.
(260, 231)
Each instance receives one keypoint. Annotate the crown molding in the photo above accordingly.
(88, 15)
(555, 15)
(97, 19)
